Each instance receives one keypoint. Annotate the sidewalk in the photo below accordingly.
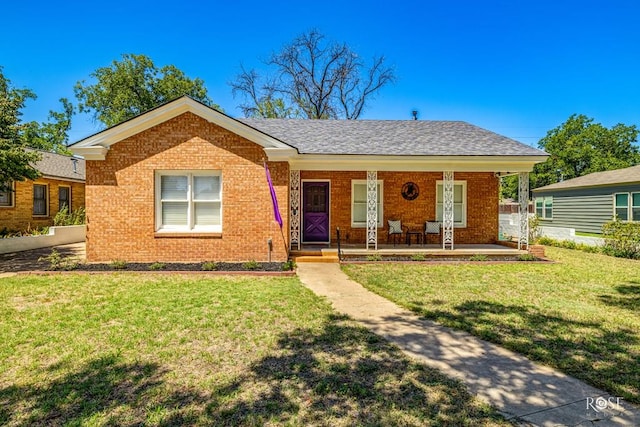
(523, 391)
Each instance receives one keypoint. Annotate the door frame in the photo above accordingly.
(302, 181)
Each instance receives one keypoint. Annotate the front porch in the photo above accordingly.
(329, 253)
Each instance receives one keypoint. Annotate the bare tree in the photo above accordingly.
(314, 79)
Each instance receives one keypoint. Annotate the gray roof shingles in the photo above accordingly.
(390, 137)
(60, 166)
(617, 176)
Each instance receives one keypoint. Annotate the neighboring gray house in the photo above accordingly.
(587, 202)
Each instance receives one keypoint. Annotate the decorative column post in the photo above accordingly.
(372, 209)
(294, 220)
(523, 199)
(447, 210)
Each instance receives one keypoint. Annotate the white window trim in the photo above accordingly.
(189, 228)
(363, 224)
(629, 205)
(543, 200)
(12, 196)
(46, 200)
(463, 223)
(64, 186)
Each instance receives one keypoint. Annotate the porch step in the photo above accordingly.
(323, 255)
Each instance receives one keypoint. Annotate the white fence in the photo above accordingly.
(509, 227)
(56, 236)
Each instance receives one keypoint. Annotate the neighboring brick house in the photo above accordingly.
(184, 182)
(33, 204)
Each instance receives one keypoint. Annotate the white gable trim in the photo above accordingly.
(96, 146)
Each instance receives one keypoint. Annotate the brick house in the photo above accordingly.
(184, 182)
(34, 204)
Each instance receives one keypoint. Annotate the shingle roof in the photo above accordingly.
(391, 137)
(60, 166)
(618, 176)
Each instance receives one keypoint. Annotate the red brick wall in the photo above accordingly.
(120, 196)
(20, 216)
(482, 203)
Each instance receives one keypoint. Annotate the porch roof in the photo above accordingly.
(390, 138)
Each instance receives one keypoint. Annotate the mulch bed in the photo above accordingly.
(177, 266)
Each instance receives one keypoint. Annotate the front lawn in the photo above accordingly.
(127, 349)
(581, 315)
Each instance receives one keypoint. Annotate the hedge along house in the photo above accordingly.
(34, 204)
(184, 182)
(588, 202)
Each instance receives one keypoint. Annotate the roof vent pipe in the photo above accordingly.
(414, 113)
(75, 165)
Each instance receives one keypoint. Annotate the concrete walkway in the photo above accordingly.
(523, 391)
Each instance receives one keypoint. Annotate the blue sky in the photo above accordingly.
(518, 68)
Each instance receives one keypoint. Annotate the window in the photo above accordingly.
(64, 198)
(540, 207)
(626, 206)
(459, 203)
(359, 203)
(40, 200)
(544, 207)
(187, 202)
(6, 195)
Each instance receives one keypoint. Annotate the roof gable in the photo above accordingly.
(612, 177)
(95, 147)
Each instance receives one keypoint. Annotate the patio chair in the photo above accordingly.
(432, 227)
(394, 231)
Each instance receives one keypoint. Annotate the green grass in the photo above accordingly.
(581, 233)
(127, 349)
(581, 315)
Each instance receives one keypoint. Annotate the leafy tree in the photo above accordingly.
(53, 135)
(578, 147)
(314, 79)
(132, 86)
(15, 161)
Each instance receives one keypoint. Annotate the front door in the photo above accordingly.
(315, 205)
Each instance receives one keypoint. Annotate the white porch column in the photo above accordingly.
(372, 209)
(523, 199)
(294, 214)
(447, 210)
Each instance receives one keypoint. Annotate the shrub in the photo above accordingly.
(209, 266)
(63, 217)
(534, 228)
(374, 257)
(526, 257)
(479, 257)
(157, 266)
(418, 257)
(288, 265)
(251, 265)
(118, 264)
(622, 239)
(58, 262)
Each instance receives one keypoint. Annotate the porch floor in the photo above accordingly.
(429, 250)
